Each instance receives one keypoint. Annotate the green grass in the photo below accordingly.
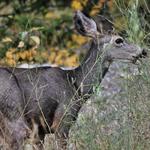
(125, 127)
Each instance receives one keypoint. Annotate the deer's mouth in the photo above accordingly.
(143, 54)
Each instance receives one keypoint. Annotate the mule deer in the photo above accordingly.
(56, 95)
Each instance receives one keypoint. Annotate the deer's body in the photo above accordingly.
(25, 90)
(56, 95)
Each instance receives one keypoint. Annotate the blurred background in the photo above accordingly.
(42, 31)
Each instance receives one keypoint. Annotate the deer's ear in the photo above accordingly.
(85, 25)
(104, 25)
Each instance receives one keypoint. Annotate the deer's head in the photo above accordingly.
(110, 46)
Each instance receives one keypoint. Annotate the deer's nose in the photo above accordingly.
(144, 53)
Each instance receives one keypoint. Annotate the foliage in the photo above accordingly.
(120, 121)
(44, 39)
(50, 22)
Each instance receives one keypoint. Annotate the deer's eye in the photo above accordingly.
(119, 41)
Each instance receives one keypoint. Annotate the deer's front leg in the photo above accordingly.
(65, 115)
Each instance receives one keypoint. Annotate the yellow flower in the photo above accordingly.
(34, 52)
(44, 55)
(74, 37)
(12, 50)
(16, 56)
(76, 5)
(72, 61)
(11, 62)
(110, 4)
(64, 53)
(58, 60)
(9, 55)
(52, 57)
(96, 9)
(79, 39)
(29, 55)
(69, 44)
(22, 55)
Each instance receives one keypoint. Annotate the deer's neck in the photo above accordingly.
(89, 73)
